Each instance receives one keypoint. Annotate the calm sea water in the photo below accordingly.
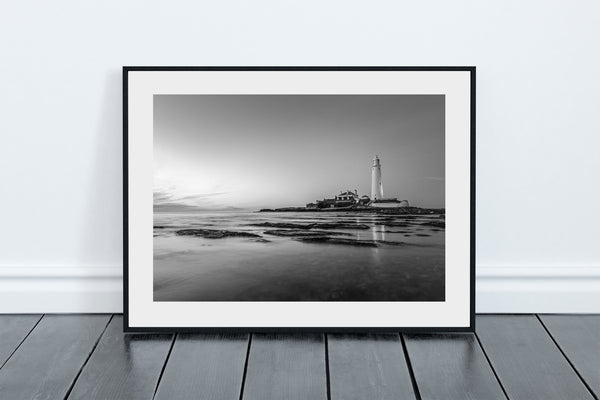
(189, 268)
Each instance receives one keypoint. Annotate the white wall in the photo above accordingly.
(538, 127)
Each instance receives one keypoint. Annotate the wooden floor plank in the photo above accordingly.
(286, 366)
(579, 338)
(123, 366)
(526, 360)
(46, 364)
(13, 329)
(368, 366)
(205, 366)
(451, 366)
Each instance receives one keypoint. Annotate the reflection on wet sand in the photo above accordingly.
(348, 256)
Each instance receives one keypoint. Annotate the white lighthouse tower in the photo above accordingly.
(376, 185)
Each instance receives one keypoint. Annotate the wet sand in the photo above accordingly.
(240, 256)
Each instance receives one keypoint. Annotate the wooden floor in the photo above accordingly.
(511, 356)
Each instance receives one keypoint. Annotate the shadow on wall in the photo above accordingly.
(102, 228)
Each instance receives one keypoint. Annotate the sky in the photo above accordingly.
(218, 152)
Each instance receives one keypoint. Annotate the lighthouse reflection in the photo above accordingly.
(378, 232)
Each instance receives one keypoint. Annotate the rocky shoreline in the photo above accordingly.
(390, 211)
(334, 232)
(318, 225)
(214, 233)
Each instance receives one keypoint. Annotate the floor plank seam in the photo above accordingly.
(491, 366)
(411, 372)
(245, 366)
(327, 373)
(162, 371)
(87, 359)
(567, 358)
(21, 342)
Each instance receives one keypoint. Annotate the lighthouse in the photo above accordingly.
(376, 185)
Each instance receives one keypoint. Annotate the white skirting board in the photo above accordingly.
(500, 289)
(51, 289)
(557, 289)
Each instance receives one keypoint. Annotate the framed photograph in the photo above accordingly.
(299, 198)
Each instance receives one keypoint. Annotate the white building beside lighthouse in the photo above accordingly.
(376, 185)
(350, 199)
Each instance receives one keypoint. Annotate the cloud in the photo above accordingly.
(435, 178)
(178, 207)
(202, 196)
(161, 197)
(168, 200)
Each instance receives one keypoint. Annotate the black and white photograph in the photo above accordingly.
(298, 198)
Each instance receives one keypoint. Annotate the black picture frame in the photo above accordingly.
(125, 142)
